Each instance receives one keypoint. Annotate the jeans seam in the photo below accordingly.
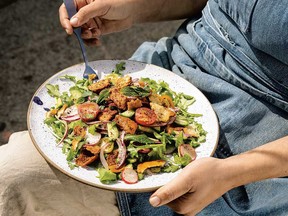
(123, 204)
(247, 61)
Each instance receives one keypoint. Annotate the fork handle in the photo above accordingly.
(77, 32)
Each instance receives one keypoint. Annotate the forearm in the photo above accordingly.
(161, 10)
(267, 161)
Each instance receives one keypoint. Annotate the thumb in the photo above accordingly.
(94, 9)
(171, 191)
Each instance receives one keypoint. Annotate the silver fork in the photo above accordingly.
(71, 9)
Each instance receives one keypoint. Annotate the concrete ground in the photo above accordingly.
(33, 46)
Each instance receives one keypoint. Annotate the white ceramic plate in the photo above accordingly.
(45, 142)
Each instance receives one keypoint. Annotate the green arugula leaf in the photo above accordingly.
(53, 90)
(104, 94)
(69, 77)
(179, 139)
(141, 138)
(119, 67)
(135, 91)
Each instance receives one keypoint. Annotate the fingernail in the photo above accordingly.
(67, 31)
(155, 201)
(74, 21)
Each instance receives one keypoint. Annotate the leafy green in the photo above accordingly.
(181, 120)
(141, 138)
(135, 91)
(50, 120)
(133, 149)
(179, 139)
(106, 176)
(119, 67)
(183, 161)
(170, 168)
(79, 94)
(83, 83)
(160, 87)
(66, 99)
(73, 124)
(164, 89)
(53, 90)
(69, 77)
(71, 155)
(104, 94)
(58, 128)
(92, 129)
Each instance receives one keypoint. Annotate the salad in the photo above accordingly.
(125, 128)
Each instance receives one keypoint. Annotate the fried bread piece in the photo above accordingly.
(126, 124)
(107, 114)
(119, 99)
(85, 158)
(100, 85)
(134, 104)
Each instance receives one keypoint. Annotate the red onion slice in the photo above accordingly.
(187, 149)
(122, 151)
(70, 118)
(102, 158)
(129, 176)
(70, 114)
(102, 124)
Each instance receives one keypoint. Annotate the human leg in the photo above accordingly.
(30, 186)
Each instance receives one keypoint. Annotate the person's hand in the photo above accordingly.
(97, 17)
(199, 184)
(100, 17)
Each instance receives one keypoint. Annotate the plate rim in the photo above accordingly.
(103, 186)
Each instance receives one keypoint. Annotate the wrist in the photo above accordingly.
(233, 172)
(255, 165)
(226, 174)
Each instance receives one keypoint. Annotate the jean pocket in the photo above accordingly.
(239, 11)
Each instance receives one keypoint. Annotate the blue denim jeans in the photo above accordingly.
(242, 83)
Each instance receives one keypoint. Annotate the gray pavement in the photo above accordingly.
(33, 46)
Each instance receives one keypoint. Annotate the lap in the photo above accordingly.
(30, 186)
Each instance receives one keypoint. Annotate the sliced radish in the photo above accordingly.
(129, 175)
(92, 139)
(70, 111)
(187, 149)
